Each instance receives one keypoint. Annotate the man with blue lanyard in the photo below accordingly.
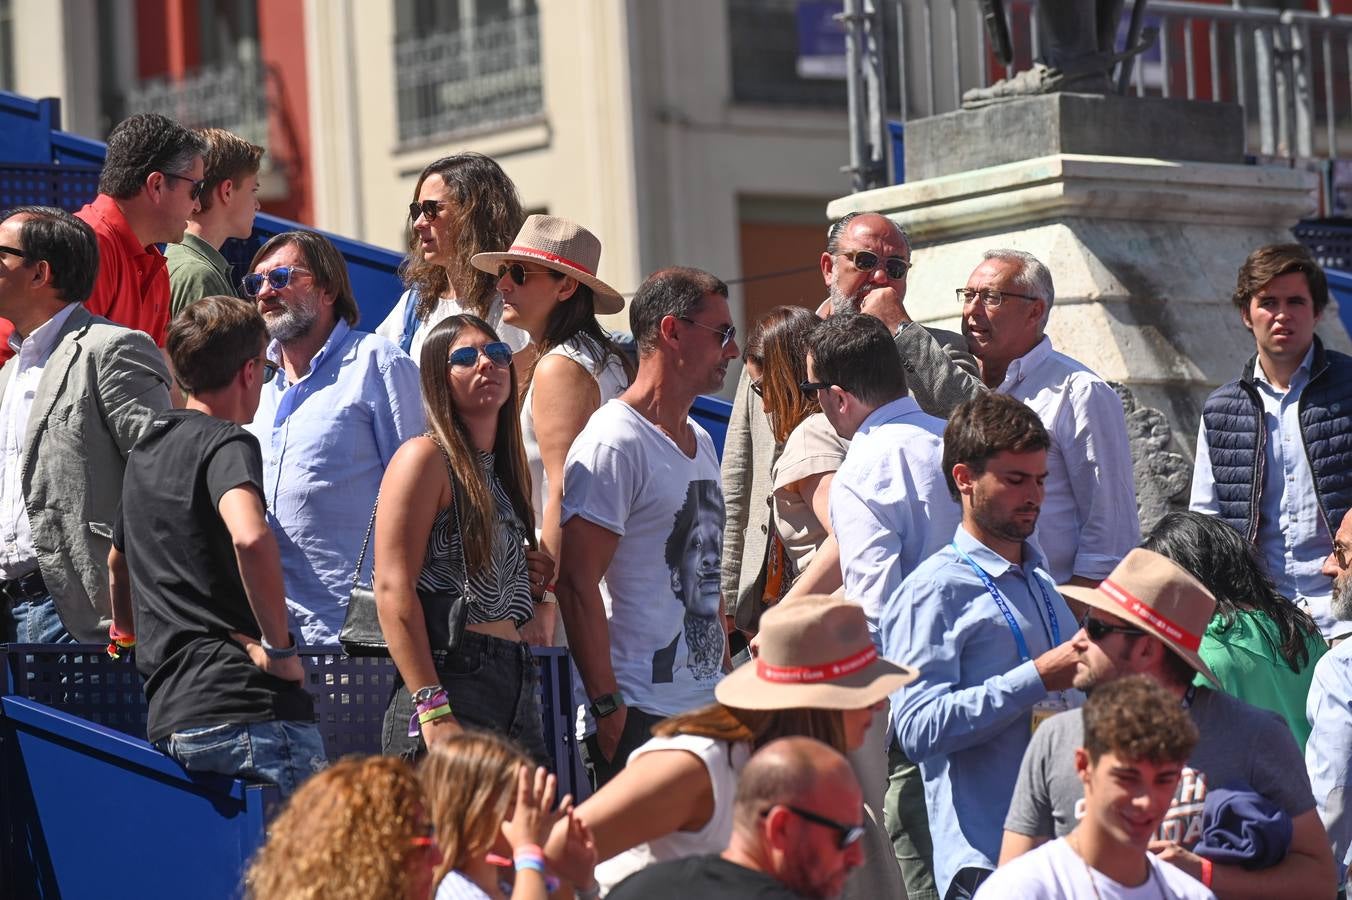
(983, 622)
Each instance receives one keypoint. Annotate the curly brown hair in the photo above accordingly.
(470, 783)
(486, 215)
(1136, 718)
(349, 832)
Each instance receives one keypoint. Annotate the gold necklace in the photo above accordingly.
(1089, 873)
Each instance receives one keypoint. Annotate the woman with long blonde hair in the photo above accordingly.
(356, 831)
(454, 514)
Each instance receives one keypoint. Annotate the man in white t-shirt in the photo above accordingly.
(643, 509)
(1137, 739)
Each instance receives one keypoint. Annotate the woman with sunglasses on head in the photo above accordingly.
(818, 675)
(454, 520)
(549, 288)
(462, 205)
(801, 546)
(492, 810)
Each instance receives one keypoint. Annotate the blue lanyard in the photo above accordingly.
(999, 599)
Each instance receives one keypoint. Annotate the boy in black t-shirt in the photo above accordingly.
(195, 567)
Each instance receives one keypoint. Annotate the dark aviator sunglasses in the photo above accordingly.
(498, 353)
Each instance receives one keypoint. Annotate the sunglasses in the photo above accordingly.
(757, 389)
(14, 251)
(277, 279)
(1097, 629)
(498, 353)
(868, 261)
(726, 333)
(428, 209)
(849, 834)
(1340, 553)
(812, 387)
(520, 273)
(198, 185)
(269, 371)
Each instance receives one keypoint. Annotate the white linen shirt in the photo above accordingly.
(889, 502)
(1088, 520)
(18, 556)
(1293, 537)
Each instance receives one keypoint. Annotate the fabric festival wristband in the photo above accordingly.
(119, 641)
(439, 699)
(529, 850)
(532, 863)
(1206, 872)
(419, 719)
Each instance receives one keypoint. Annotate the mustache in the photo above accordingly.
(842, 302)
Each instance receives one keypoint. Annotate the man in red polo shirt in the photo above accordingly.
(151, 180)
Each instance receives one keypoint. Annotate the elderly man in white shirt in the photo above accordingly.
(1088, 520)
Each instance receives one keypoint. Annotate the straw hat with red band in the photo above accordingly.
(563, 246)
(814, 653)
(1155, 593)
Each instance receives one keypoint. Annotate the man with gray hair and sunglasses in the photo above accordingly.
(1090, 507)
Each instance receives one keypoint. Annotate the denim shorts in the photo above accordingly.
(493, 684)
(280, 753)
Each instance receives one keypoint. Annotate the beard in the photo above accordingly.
(842, 302)
(291, 323)
(1341, 607)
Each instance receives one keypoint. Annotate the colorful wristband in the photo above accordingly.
(1206, 872)
(529, 850)
(418, 719)
(119, 641)
(533, 863)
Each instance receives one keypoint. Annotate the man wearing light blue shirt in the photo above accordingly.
(983, 622)
(1273, 448)
(328, 424)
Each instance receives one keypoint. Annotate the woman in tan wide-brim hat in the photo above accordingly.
(549, 289)
(817, 675)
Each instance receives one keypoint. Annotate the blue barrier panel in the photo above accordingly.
(90, 812)
(1340, 285)
(713, 414)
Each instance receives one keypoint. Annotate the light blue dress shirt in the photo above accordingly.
(968, 719)
(1293, 537)
(326, 441)
(890, 506)
(1328, 752)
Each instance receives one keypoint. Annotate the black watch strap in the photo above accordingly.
(605, 705)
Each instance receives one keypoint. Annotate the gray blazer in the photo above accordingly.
(940, 373)
(101, 387)
(749, 453)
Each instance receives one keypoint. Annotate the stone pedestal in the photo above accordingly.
(1144, 246)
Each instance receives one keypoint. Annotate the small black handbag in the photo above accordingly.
(445, 613)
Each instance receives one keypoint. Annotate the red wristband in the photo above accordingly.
(1206, 872)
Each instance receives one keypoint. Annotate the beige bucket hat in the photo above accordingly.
(814, 653)
(1157, 594)
(561, 245)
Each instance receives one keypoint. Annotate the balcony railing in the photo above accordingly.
(483, 76)
(232, 96)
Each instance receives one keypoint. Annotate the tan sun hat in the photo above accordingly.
(814, 653)
(1157, 594)
(561, 245)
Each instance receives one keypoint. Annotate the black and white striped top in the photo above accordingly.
(502, 591)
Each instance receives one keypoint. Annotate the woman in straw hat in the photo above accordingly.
(817, 675)
(461, 205)
(549, 289)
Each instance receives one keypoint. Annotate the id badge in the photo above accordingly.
(1045, 709)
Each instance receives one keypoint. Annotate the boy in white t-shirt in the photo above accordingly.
(642, 518)
(1136, 740)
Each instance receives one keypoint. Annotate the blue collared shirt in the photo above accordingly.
(967, 720)
(1293, 537)
(890, 506)
(1328, 752)
(326, 441)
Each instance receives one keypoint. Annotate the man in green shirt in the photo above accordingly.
(229, 201)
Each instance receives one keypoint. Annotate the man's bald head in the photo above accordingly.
(858, 223)
(873, 240)
(784, 772)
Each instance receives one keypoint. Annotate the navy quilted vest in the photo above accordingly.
(1236, 438)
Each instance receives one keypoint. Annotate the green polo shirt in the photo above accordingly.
(196, 270)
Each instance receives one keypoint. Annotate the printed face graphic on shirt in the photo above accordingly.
(694, 551)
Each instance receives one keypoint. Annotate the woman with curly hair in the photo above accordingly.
(454, 513)
(357, 830)
(492, 810)
(462, 205)
(1261, 646)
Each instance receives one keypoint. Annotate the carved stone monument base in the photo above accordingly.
(1144, 253)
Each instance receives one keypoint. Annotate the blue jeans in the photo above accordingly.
(280, 753)
(35, 621)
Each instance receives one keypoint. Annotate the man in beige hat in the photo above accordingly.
(1147, 618)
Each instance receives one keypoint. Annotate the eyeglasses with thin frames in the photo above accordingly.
(198, 184)
(726, 333)
(498, 353)
(991, 299)
(1097, 629)
(868, 261)
(277, 279)
(849, 834)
